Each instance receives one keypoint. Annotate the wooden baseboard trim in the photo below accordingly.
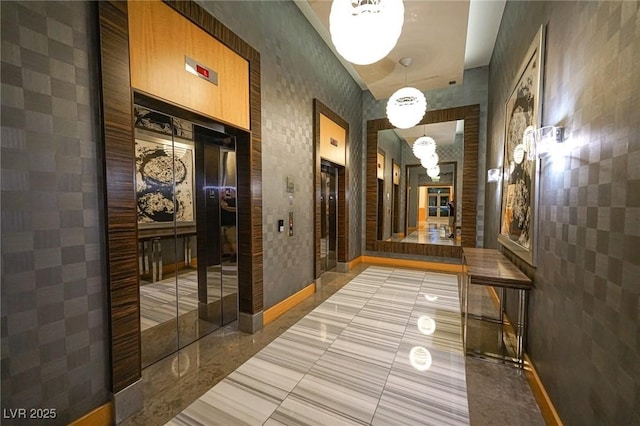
(275, 311)
(355, 262)
(415, 264)
(548, 411)
(101, 416)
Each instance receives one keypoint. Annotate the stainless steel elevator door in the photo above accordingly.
(328, 217)
(185, 194)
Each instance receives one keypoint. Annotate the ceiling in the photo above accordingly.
(442, 133)
(442, 37)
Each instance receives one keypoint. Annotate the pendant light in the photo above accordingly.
(406, 106)
(424, 145)
(365, 31)
(430, 161)
(434, 172)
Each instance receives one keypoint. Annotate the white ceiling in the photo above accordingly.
(442, 133)
(442, 37)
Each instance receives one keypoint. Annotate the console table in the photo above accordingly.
(150, 248)
(489, 267)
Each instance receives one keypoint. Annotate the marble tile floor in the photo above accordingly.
(175, 382)
(431, 235)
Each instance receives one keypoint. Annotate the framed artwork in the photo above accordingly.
(164, 181)
(520, 165)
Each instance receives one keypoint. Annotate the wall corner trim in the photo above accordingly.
(280, 308)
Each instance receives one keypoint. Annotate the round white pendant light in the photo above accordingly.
(365, 31)
(424, 146)
(430, 161)
(406, 107)
(434, 172)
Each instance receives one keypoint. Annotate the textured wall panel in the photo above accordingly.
(54, 330)
(584, 332)
(295, 70)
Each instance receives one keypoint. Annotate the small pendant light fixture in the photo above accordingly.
(424, 145)
(430, 161)
(434, 172)
(406, 106)
(365, 31)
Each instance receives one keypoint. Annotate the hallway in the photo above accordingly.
(348, 361)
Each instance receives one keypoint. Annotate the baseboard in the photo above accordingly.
(276, 310)
(545, 404)
(416, 264)
(540, 394)
(101, 416)
(354, 262)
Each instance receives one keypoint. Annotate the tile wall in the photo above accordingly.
(584, 332)
(295, 70)
(54, 329)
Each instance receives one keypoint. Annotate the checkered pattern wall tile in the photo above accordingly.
(584, 332)
(472, 91)
(54, 334)
(295, 70)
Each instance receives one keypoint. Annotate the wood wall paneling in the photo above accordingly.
(158, 64)
(249, 154)
(471, 116)
(121, 217)
(121, 214)
(329, 129)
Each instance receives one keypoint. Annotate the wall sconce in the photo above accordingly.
(494, 175)
(545, 139)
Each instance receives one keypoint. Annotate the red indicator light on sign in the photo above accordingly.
(202, 71)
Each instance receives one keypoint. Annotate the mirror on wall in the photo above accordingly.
(186, 203)
(430, 219)
(410, 212)
(408, 196)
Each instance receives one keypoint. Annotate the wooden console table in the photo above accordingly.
(489, 267)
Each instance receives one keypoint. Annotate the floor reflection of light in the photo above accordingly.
(426, 325)
(430, 297)
(420, 358)
(180, 365)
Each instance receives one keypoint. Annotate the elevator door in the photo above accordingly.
(328, 217)
(185, 193)
(218, 294)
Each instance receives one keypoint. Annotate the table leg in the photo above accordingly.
(522, 318)
(501, 318)
(466, 283)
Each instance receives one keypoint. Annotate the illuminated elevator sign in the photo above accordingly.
(200, 70)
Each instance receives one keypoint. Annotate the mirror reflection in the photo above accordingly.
(186, 198)
(416, 204)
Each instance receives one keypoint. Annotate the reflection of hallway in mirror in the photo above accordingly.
(434, 234)
(158, 301)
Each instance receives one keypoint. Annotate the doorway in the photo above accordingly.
(186, 199)
(437, 210)
(328, 217)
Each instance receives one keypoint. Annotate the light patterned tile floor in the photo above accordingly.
(278, 375)
(375, 365)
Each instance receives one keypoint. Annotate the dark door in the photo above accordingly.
(380, 209)
(328, 217)
(395, 220)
